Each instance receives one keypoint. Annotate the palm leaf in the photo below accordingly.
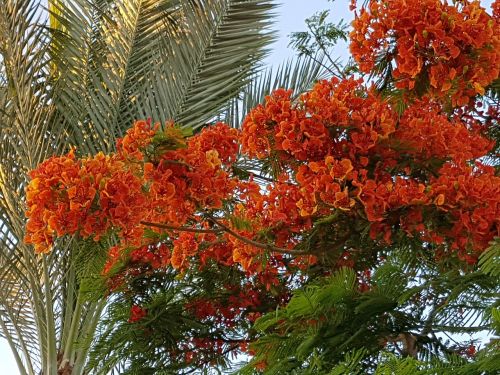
(24, 115)
(164, 59)
(227, 62)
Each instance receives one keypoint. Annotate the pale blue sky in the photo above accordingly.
(290, 17)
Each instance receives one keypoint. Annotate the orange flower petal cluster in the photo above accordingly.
(136, 139)
(325, 183)
(425, 132)
(219, 251)
(196, 175)
(123, 200)
(313, 129)
(471, 197)
(495, 7)
(454, 48)
(90, 196)
(61, 198)
(366, 164)
(377, 167)
(186, 245)
(284, 129)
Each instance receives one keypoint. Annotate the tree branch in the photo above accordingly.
(255, 243)
(181, 229)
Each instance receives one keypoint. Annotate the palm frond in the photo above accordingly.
(24, 115)
(225, 61)
(166, 59)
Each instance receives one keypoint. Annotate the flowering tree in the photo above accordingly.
(80, 72)
(345, 231)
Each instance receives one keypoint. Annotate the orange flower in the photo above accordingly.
(454, 47)
(185, 246)
(340, 151)
(136, 139)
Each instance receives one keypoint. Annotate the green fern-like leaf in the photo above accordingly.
(489, 260)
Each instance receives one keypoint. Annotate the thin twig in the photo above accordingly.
(225, 228)
(181, 229)
(341, 74)
(260, 245)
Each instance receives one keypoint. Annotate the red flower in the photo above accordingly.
(137, 313)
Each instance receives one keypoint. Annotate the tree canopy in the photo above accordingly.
(351, 228)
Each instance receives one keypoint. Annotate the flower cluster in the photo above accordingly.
(469, 196)
(374, 166)
(63, 194)
(91, 196)
(453, 48)
(426, 133)
(368, 164)
(284, 129)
